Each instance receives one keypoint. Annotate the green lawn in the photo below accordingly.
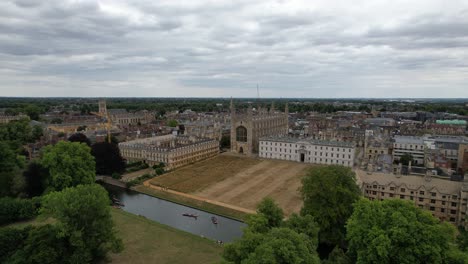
(146, 241)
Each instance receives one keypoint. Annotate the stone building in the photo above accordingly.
(5, 119)
(445, 199)
(308, 150)
(122, 117)
(174, 151)
(247, 128)
(410, 145)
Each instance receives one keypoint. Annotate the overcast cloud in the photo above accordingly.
(192, 48)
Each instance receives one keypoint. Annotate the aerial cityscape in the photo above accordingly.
(233, 132)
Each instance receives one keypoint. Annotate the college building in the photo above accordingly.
(445, 199)
(174, 150)
(308, 150)
(248, 128)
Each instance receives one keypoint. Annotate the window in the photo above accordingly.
(454, 204)
(392, 188)
(421, 199)
(391, 195)
(433, 201)
(241, 134)
(453, 211)
(432, 208)
(442, 210)
(433, 194)
(421, 192)
(402, 189)
(402, 197)
(443, 202)
(452, 219)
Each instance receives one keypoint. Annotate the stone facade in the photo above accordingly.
(445, 199)
(174, 151)
(5, 119)
(308, 150)
(248, 128)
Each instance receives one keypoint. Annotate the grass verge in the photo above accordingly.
(146, 241)
(209, 207)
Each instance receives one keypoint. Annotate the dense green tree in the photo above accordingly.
(10, 164)
(337, 256)
(44, 245)
(108, 158)
(18, 130)
(304, 225)
(79, 137)
(279, 245)
(15, 209)
(172, 123)
(84, 214)
(328, 193)
(37, 132)
(406, 158)
(35, 177)
(273, 213)
(11, 239)
(33, 111)
(69, 164)
(395, 231)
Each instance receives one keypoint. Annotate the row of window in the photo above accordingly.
(269, 143)
(309, 159)
(433, 194)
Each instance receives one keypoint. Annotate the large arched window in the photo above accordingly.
(241, 134)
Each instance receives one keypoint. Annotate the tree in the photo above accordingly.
(406, 158)
(79, 137)
(44, 244)
(328, 193)
(108, 158)
(18, 130)
(172, 123)
(84, 214)
(337, 256)
(11, 239)
(280, 245)
(37, 132)
(395, 231)
(35, 176)
(33, 111)
(272, 212)
(10, 164)
(69, 164)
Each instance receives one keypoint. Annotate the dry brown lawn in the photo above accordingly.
(240, 181)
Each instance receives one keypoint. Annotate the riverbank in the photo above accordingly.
(146, 241)
(195, 203)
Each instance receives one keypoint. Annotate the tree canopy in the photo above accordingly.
(108, 158)
(84, 214)
(79, 137)
(328, 193)
(269, 239)
(69, 164)
(10, 164)
(395, 231)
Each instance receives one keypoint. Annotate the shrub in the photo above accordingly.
(11, 239)
(12, 210)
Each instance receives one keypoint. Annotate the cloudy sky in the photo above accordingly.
(373, 48)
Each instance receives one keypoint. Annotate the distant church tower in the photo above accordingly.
(102, 108)
(248, 127)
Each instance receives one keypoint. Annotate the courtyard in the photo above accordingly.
(240, 181)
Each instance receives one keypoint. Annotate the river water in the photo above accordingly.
(169, 213)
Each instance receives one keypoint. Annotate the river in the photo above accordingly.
(169, 213)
